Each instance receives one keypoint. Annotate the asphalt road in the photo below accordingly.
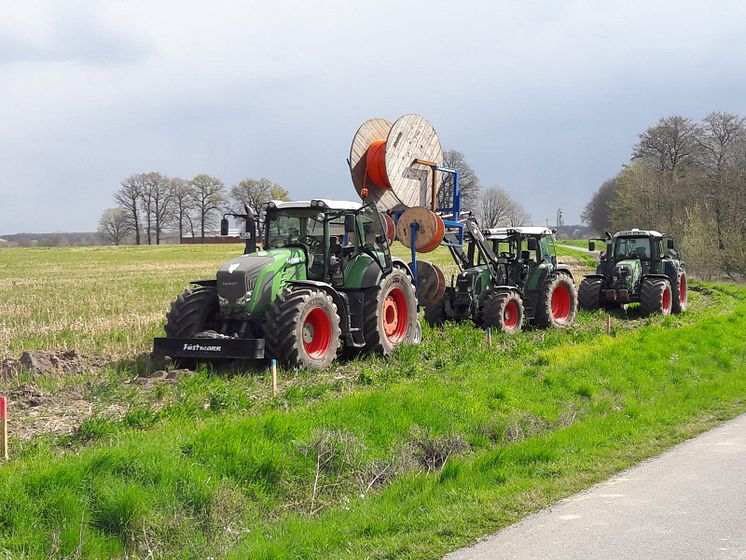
(688, 503)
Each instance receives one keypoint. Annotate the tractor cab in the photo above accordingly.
(521, 251)
(332, 235)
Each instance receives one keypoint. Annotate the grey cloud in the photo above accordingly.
(82, 40)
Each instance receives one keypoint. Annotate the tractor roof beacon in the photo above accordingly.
(324, 280)
(508, 277)
(637, 266)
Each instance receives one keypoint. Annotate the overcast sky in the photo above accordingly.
(544, 98)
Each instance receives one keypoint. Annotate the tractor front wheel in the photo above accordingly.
(558, 304)
(503, 309)
(302, 329)
(589, 294)
(656, 296)
(680, 294)
(390, 314)
(193, 312)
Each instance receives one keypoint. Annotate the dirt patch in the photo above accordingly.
(47, 363)
(33, 412)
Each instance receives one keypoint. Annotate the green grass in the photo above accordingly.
(586, 259)
(583, 243)
(214, 465)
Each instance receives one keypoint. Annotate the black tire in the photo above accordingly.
(680, 293)
(194, 311)
(503, 309)
(557, 304)
(394, 296)
(656, 296)
(589, 294)
(435, 314)
(302, 329)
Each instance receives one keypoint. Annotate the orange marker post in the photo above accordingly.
(4, 426)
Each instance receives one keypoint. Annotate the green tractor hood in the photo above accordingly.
(251, 282)
(627, 274)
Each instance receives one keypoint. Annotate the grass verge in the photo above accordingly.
(415, 456)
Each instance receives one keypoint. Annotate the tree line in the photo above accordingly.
(687, 178)
(149, 205)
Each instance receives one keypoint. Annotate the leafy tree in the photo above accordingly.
(597, 212)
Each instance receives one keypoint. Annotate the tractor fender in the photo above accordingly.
(399, 263)
(341, 303)
(564, 270)
(600, 276)
(374, 275)
(507, 287)
(663, 276)
(213, 283)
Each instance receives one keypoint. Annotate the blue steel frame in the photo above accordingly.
(452, 222)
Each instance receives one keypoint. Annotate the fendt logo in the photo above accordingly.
(200, 348)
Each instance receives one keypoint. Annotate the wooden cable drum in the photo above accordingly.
(430, 229)
(431, 283)
(382, 162)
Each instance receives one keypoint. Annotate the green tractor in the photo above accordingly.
(324, 280)
(508, 277)
(638, 266)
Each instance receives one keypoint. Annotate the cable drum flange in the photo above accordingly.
(430, 229)
(383, 162)
(431, 283)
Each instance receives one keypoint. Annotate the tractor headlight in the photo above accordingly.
(245, 298)
(222, 300)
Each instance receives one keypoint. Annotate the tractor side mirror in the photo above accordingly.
(350, 223)
(224, 226)
(532, 244)
(670, 243)
(591, 246)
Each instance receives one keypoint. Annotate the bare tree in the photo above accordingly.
(182, 193)
(157, 203)
(209, 194)
(670, 145)
(518, 216)
(468, 182)
(255, 193)
(115, 224)
(128, 198)
(497, 208)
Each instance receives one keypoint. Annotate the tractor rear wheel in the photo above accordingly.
(558, 304)
(390, 314)
(194, 311)
(503, 309)
(680, 294)
(435, 314)
(656, 296)
(589, 294)
(302, 329)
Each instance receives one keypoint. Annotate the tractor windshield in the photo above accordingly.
(632, 248)
(295, 226)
